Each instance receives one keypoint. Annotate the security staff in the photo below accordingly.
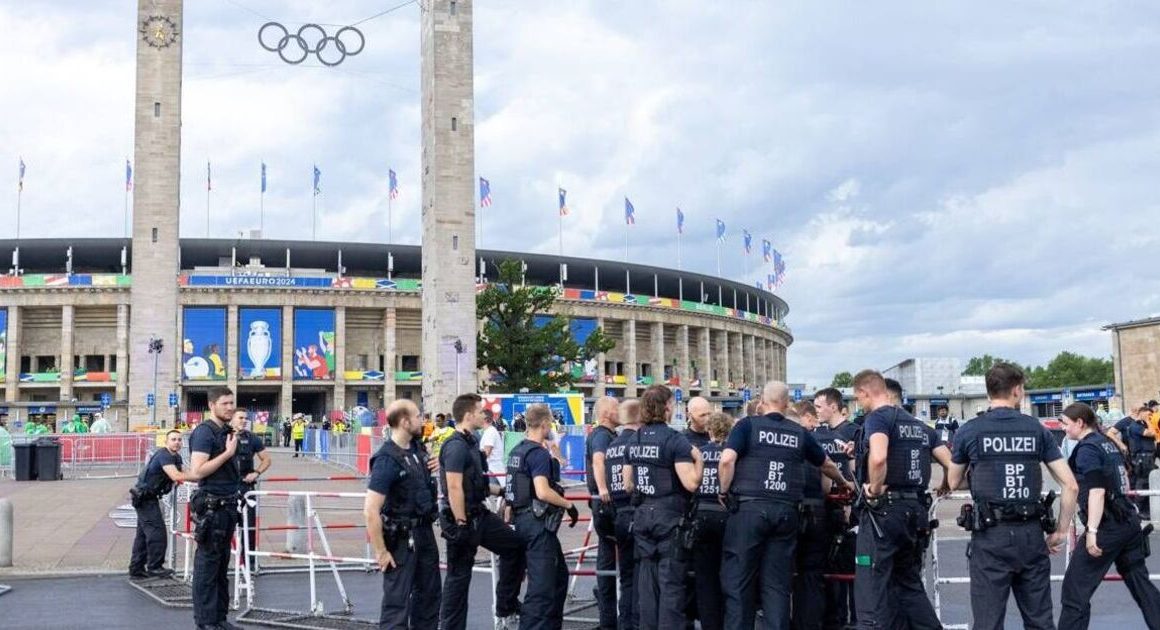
(893, 523)
(212, 446)
(1001, 453)
(467, 524)
(814, 536)
(761, 473)
(664, 471)
(945, 426)
(836, 435)
(538, 503)
(250, 447)
(1112, 526)
(154, 482)
(399, 510)
(615, 457)
(1142, 446)
(711, 519)
(603, 510)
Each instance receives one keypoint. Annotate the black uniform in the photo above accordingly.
(152, 539)
(661, 505)
(1003, 449)
(813, 549)
(1097, 463)
(249, 445)
(888, 586)
(461, 454)
(1143, 450)
(604, 524)
(615, 456)
(839, 607)
(761, 535)
(215, 509)
(536, 523)
(711, 518)
(699, 440)
(411, 592)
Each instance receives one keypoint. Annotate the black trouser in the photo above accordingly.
(151, 540)
(758, 557)
(1122, 543)
(604, 526)
(286, 438)
(707, 568)
(297, 446)
(628, 614)
(839, 595)
(1143, 463)
(813, 549)
(411, 588)
(1006, 558)
(660, 565)
(489, 532)
(888, 586)
(547, 575)
(211, 566)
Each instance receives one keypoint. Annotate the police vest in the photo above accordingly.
(653, 469)
(1006, 461)
(908, 456)
(696, 439)
(1140, 443)
(1112, 476)
(832, 442)
(225, 480)
(771, 468)
(475, 485)
(412, 494)
(520, 490)
(244, 456)
(157, 484)
(615, 457)
(710, 481)
(600, 429)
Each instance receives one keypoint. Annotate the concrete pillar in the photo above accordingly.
(600, 389)
(12, 359)
(233, 368)
(706, 367)
(781, 350)
(723, 365)
(339, 358)
(122, 390)
(658, 353)
(286, 404)
(630, 358)
(737, 360)
(683, 356)
(751, 361)
(390, 321)
(67, 317)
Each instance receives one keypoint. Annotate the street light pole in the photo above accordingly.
(459, 350)
(155, 346)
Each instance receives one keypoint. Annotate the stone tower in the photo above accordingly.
(157, 157)
(448, 103)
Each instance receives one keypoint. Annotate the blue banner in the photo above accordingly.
(313, 344)
(260, 281)
(1095, 394)
(260, 343)
(203, 344)
(1046, 398)
(3, 342)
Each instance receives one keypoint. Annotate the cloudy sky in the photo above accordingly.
(943, 181)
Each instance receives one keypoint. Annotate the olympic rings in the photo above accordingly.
(311, 39)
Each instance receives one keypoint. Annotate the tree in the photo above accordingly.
(1068, 369)
(978, 366)
(524, 352)
(842, 379)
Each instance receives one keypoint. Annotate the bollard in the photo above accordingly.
(1154, 501)
(6, 532)
(296, 515)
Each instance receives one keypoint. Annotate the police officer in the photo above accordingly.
(711, 519)
(698, 410)
(250, 447)
(1001, 452)
(893, 524)
(814, 537)
(538, 503)
(761, 472)
(837, 435)
(603, 510)
(154, 482)
(467, 524)
(1142, 446)
(399, 510)
(615, 458)
(212, 446)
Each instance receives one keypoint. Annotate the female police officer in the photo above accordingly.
(1112, 525)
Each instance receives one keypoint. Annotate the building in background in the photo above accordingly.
(1136, 360)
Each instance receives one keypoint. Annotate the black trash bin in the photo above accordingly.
(48, 459)
(24, 461)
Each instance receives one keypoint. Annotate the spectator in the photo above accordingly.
(491, 443)
(518, 424)
(100, 425)
(35, 428)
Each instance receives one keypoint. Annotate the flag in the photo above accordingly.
(263, 177)
(563, 201)
(484, 193)
(20, 182)
(720, 230)
(766, 250)
(393, 186)
(128, 176)
(680, 221)
(208, 177)
(770, 280)
(629, 213)
(317, 180)
(748, 238)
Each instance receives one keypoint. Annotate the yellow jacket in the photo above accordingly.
(298, 430)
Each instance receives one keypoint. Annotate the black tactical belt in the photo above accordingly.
(741, 498)
(813, 502)
(909, 495)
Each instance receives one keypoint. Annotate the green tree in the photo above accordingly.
(842, 379)
(1068, 369)
(524, 353)
(978, 366)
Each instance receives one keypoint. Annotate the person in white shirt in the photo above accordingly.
(100, 425)
(491, 443)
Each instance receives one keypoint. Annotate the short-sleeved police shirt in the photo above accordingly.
(598, 442)
(209, 439)
(968, 449)
(456, 456)
(1122, 427)
(156, 468)
(738, 440)
(1138, 442)
(539, 463)
(386, 472)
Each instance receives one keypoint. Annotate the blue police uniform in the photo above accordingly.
(461, 454)
(839, 606)
(1003, 450)
(761, 535)
(711, 519)
(1097, 463)
(152, 539)
(604, 524)
(249, 445)
(615, 457)
(1143, 450)
(813, 550)
(536, 524)
(892, 533)
(661, 505)
(215, 509)
(411, 593)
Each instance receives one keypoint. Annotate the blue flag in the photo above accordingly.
(766, 250)
(128, 176)
(484, 193)
(720, 230)
(263, 177)
(317, 180)
(680, 221)
(748, 238)
(629, 213)
(392, 184)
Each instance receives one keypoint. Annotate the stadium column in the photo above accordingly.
(737, 355)
(286, 404)
(751, 361)
(390, 320)
(447, 103)
(231, 353)
(599, 389)
(339, 359)
(630, 358)
(723, 361)
(12, 375)
(67, 316)
(120, 391)
(781, 352)
(706, 369)
(763, 359)
(658, 353)
(156, 198)
(682, 368)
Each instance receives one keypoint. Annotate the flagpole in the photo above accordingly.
(262, 203)
(390, 220)
(208, 190)
(127, 180)
(314, 216)
(19, 194)
(718, 258)
(678, 250)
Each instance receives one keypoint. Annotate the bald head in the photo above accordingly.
(404, 414)
(775, 397)
(630, 412)
(605, 411)
(699, 412)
